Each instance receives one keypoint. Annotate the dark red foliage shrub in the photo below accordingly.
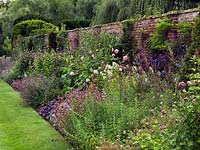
(159, 61)
(17, 84)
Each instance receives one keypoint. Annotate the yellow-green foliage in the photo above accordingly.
(33, 27)
(159, 39)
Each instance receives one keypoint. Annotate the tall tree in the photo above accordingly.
(85, 8)
(60, 10)
(133, 8)
(4, 3)
(20, 8)
(107, 12)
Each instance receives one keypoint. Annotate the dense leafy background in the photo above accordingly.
(98, 11)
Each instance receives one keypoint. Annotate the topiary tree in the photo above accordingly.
(33, 27)
(31, 17)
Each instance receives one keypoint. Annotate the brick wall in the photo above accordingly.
(141, 30)
(73, 35)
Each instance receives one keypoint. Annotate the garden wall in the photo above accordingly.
(141, 29)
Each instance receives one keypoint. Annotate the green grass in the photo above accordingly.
(21, 128)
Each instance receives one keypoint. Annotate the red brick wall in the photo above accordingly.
(141, 30)
(73, 35)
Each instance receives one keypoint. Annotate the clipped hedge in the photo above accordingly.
(31, 17)
(33, 27)
(72, 24)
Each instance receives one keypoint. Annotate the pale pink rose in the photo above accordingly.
(194, 100)
(184, 118)
(93, 56)
(87, 80)
(125, 58)
(189, 83)
(72, 73)
(120, 69)
(184, 91)
(162, 112)
(90, 52)
(116, 51)
(82, 58)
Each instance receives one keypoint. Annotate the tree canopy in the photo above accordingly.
(97, 11)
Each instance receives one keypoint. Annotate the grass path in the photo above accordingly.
(21, 128)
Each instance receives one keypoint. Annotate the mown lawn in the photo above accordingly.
(21, 128)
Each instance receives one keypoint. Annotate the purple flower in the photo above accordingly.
(194, 100)
(181, 84)
(163, 126)
(162, 131)
(162, 112)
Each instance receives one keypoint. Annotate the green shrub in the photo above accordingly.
(159, 39)
(33, 27)
(62, 41)
(31, 17)
(108, 119)
(195, 46)
(188, 131)
(7, 46)
(90, 42)
(177, 127)
(39, 90)
(2, 50)
(49, 64)
(23, 67)
(192, 66)
(94, 51)
(191, 61)
(185, 29)
(121, 112)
